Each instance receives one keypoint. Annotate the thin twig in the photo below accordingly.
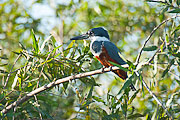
(144, 83)
(168, 71)
(146, 86)
(154, 96)
(148, 38)
(40, 115)
(10, 71)
(6, 95)
(43, 68)
(157, 1)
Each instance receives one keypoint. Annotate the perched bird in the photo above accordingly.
(104, 50)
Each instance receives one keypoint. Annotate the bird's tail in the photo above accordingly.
(122, 74)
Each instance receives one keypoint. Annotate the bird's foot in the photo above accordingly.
(111, 68)
(103, 69)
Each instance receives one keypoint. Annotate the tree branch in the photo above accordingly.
(148, 38)
(139, 66)
(52, 84)
(154, 96)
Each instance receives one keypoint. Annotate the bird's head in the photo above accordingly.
(93, 33)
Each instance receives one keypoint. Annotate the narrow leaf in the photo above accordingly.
(178, 81)
(90, 93)
(176, 29)
(171, 99)
(170, 1)
(135, 116)
(126, 84)
(150, 48)
(178, 2)
(22, 46)
(35, 43)
(164, 72)
(134, 96)
(98, 99)
(122, 68)
(177, 10)
(165, 9)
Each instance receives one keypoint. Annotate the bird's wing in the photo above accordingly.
(114, 52)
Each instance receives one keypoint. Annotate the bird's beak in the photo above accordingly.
(80, 37)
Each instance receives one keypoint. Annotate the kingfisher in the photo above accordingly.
(104, 50)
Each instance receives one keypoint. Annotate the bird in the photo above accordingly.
(104, 50)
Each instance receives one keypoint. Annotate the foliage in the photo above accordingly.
(31, 58)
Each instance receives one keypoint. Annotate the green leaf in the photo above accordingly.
(165, 9)
(126, 84)
(135, 116)
(177, 44)
(98, 99)
(1, 65)
(164, 72)
(178, 2)
(178, 81)
(170, 1)
(177, 10)
(65, 85)
(176, 29)
(4, 57)
(124, 108)
(150, 48)
(22, 46)
(3, 71)
(141, 79)
(35, 43)
(134, 96)
(171, 99)
(122, 68)
(168, 67)
(131, 65)
(90, 93)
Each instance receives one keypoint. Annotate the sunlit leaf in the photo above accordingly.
(22, 46)
(35, 42)
(98, 99)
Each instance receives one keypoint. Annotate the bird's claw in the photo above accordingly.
(110, 68)
(103, 69)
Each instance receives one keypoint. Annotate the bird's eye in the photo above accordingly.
(90, 33)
